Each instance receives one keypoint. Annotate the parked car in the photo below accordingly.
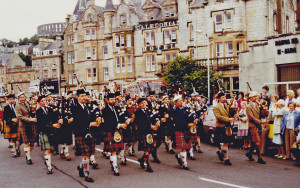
(209, 127)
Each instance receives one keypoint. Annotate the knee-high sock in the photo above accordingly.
(66, 150)
(191, 152)
(146, 159)
(183, 157)
(27, 152)
(86, 167)
(130, 149)
(225, 152)
(92, 158)
(113, 159)
(48, 160)
(62, 149)
(14, 147)
(18, 146)
(122, 155)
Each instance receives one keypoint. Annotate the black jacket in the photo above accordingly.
(110, 120)
(45, 121)
(81, 121)
(142, 122)
(9, 114)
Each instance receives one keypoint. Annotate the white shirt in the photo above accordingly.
(290, 121)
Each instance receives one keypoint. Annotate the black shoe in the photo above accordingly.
(249, 156)
(185, 167)
(149, 169)
(133, 150)
(29, 162)
(261, 161)
(194, 148)
(14, 156)
(199, 151)
(80, 171)
(10, 146)
(18, 153)
(156, 160)
(124, 162)
(116, 172)
(227, 162)
(172, 151)
(107, 157)
(49, 171)
(192, 158)
(94, 164)
(220, 155)
(141, 161)
(178, 160)
(88, 179)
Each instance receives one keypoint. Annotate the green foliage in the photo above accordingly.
(26, 59)
(184, 71)
(8, 43)
(34, 40)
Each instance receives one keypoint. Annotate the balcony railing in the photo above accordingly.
(221, 63)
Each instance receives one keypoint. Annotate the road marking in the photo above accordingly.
(222, 183)
(133, 161)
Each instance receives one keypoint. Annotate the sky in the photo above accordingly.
(20, 18)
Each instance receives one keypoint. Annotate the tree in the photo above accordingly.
(184, 71)
(26, 59)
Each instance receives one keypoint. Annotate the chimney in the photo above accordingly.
(58, 42)
(68, 18)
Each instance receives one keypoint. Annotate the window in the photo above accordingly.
(75, 54)
(172, 11)
(94, 53)
(170, 57)
(46, 74)
(87, 34)
(54, 73)
(228, 21)
(128, 40)
(123, 64)
(229, 49)
(117, 41)
(105, 52)
(37, 63)
(73, 57)
(93, 34)
(123, 19)
(90, 18)
(129, 63)
(69, 41)
(192, 32)
(89, 75)
(167, 37)
(53, 62)
(167, 12)
(21, 78)
(88, 53)
(219, 22)
(37, 75)
(72, 39)
(72, 79)
(118, 66)
(150, 63)
(275, 21)
(219, 49)
(69, 58)
(239, 46)
(149, 38)
(106, 74)
(151, 15)
(173, 36)
(192, 54)
(287, 25)
(95, 79)
(122, 40)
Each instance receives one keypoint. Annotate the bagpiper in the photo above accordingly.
(83, 138)
(11, 125)
(26, 125)
(47, 123)
(144, 132)
(112, 128)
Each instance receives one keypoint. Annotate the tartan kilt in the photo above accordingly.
(253, 135)
(11, 131)
(47, 142)
(143, 145)
(221, 137)
(194, 137)
(28, 133)
(183, 140)
(83, 148)
(129, 134)
(110, 144)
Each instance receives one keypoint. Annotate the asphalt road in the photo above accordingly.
(205, 171)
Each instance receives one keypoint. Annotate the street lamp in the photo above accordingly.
(208, 65)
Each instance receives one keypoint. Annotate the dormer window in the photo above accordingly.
(151, 15)
(90, 18)
(167, 12)
(172, 11)
(123, 19)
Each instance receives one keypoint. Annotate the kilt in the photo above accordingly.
(47, 142)
(28, 133)
(242, 132)
(193, 137)
(143, 145)
(129, 134)
(83, 148)
(221, 137)
(110, 144)
(11, 131)
(253, 135)
(183, 140)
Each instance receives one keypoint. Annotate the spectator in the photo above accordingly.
(290, 97)
(278, 112)
(266, 95)
(240, 100)
(290, 122)
(243, 124)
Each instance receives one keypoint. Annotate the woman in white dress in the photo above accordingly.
(243, 124)
(278, 112)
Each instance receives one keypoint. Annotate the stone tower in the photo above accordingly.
(109, 12)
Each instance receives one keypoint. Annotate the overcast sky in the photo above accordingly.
(20, 18)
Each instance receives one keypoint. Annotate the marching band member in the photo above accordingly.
(223, 130)
(144, 131)
(183, 139)
(112, 128)
(84, 143)
(46, 124)
(12, 127)
(26, 125)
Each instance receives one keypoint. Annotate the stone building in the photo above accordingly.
(137, 38)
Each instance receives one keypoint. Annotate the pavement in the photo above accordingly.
(205, 171)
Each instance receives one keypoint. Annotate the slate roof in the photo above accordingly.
(109, 6)
(5, 58)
